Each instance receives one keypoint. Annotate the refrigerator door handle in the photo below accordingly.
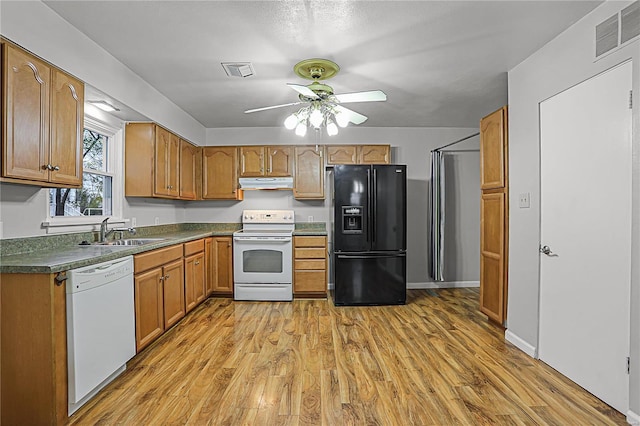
(374, 197)
(373, 256)
(369, 214)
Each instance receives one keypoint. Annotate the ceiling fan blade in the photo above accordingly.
(354, 117)
(303, 90)
(370, 96)
(271, 107)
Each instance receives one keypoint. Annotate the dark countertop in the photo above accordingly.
(39, 255)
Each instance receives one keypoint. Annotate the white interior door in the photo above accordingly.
(586, 222)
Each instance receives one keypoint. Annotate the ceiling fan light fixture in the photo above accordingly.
(316, 118)
(301, 129)
(291, 121)
(332, 129)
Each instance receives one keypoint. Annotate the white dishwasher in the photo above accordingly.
(100, 326)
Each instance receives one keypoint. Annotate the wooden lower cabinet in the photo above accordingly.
(310, 266)
(159, 292)
(219, 257)
(33, 337)
(194, 274)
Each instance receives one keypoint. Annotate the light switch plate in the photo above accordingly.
(524, 200)
(156, 221)
(134, 222)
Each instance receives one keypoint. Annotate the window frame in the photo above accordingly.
(114, 130)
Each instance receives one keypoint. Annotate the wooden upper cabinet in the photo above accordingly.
(374, 154)
(341, 154)
(153, 163)
(358, 154)
(42, 121)
(258, 161)
(279, 160)
(189, 170)
(167, 163)
(493, 150)
(220, 173)
(67, 127)
(309, 173)
(251, 161)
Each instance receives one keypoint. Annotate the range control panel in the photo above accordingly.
(268, 216)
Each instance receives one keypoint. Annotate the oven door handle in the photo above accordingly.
(264, 239)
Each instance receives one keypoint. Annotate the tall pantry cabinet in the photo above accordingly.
(494, 215)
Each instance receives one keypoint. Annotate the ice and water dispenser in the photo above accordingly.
(352, 219)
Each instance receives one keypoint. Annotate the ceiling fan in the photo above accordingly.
(323, 105)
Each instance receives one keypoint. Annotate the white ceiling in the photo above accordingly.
(441, 63)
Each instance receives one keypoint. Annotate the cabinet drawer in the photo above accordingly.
(155, 258)
(310, 281)
(193, 247)
(309, 241)
(309, 253)
(315, 264)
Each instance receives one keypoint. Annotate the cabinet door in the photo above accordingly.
(220, 173)
(67, 126)
(194, 281)
(173, 292)
(251, 161)
(26, 82)
(224, 266)
(492, 256)
(493, 152)
(149, 307)
(279, 160)
(210, 267)
(173, 166)
(309, 173)
(341, 154)
(188, 170)
(374, 154)
(161, 180)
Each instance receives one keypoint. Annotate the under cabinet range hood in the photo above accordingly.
(266, 183)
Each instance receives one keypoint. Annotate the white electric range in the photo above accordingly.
(262, 256)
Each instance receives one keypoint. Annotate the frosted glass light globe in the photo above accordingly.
(291, 122)
(342, 119)
(301, 129)
(316, 118)
(332, 129)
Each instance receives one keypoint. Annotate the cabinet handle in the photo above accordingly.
(56, 168)
(161, 279)
(60, 278)
(166, 277)
(47, 167)
(197, 262)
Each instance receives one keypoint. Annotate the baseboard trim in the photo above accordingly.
(633, 418)
(519, 343)
(442, 284)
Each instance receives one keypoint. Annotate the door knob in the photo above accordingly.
(546, 250)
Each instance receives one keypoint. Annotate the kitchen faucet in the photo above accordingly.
(104, 233)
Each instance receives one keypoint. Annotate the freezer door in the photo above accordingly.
(365, 279)
(351, 185)
(389, 209)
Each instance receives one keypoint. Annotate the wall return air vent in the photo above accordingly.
(618, 29)
(238, 69)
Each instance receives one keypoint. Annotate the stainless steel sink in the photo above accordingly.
(131, 242)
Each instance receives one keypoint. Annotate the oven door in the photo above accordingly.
(262, 260)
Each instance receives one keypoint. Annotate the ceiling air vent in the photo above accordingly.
(607, 35)
(630, 22)
(238, 69)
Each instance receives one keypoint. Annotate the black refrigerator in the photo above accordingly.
(370, 234)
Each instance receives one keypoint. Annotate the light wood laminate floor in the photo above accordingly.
(435, 361)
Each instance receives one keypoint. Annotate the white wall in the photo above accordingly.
(410, 146)
(562, 63)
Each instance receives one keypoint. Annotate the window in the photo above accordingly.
(98, 198)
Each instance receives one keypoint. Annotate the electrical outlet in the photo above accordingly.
(156, 221)
(524, 200)
(310, 219)
(134, 222)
